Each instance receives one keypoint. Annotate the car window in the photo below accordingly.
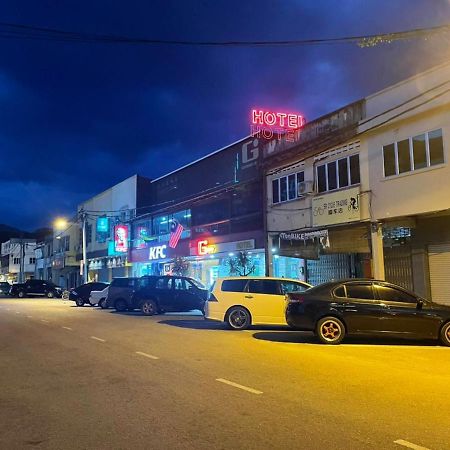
(179, 284)
(234, 285)
(196, 283)
(340, 291)
(263, 287)
(122, 282)
(292, 286)
(361, 291)
(163, 283)
(391, 294)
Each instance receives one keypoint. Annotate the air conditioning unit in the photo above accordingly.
(305, 187)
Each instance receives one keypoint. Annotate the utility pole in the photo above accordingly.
(85, 267)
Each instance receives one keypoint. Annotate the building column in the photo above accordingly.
(376, 234)
(269, 256)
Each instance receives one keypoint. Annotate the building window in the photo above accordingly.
(32, 260)
(286, 188)
(16, 261)
(418, 152)
(338, 174)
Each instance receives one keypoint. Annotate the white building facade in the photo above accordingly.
(18, 259)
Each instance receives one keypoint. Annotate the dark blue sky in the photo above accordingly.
(77, 118)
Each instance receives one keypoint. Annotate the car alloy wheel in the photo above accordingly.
(238, 318)
(445, 334)
(79, 302)
(21, 294)
(149, 308)
(50, 294)
(330, 330)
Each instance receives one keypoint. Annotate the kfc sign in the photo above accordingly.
(121, 238)
(157, 252)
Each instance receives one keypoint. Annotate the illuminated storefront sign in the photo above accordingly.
(157, 252)
(121, 238)
(204, 248)
(102, 225)
(276, 125)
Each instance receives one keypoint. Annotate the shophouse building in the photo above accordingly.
(18, 260)
(204, 214)
(44, 253)
(365, 192)
(108, 217)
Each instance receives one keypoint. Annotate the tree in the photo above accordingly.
(241, 264)
(180, 266)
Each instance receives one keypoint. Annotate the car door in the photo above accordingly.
(32, 287)
(360, 308)
(164, 293)
(192, 296)
(266, 301)
(183, 300)
(403, 315)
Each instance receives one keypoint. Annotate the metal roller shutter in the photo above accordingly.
(439, 263)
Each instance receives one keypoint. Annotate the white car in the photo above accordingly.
(99, 298)
(244, 301)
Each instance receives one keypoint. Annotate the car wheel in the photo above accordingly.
(21, 294)
(50, 294)
(149, 308)
(445, 334)
(238, 318)
(330, 330)
(121, 305)
(102, 303)
(79, 302)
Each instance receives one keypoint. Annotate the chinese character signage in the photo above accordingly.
(336, 207)
(121, 238)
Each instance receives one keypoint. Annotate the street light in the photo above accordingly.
(60, 224)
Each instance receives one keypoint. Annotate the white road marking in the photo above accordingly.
(410, 445)
(29, 317)
(43, 320)
(147, 355)
(67, 328)
(17, 312)
(239, 386)
(98, 339)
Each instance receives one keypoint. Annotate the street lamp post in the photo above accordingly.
(85, 268)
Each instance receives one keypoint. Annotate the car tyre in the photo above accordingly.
(50, 294)
(102, 303)
(330, 330)
(21, 294)
(79, 302)
(445, 334)
(238, 318)
(149, 308)
(120, 305)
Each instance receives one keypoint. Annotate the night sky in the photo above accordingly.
(77, 118)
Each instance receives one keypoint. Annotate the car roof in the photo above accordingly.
(263, 278)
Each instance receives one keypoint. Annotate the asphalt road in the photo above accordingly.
(84, 378)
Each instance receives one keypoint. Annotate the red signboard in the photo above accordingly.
(121, 238)
(277, 120)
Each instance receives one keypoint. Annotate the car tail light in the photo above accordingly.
(212, 298)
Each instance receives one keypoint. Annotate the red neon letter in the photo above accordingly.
(281, 117)
(269, 118)
(292, 121)
(257, 116)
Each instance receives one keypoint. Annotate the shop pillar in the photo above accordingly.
(376, 232)
(269, 256)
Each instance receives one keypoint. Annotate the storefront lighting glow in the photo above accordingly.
(204, 248)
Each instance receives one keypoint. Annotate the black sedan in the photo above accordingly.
(366, 307)
(80, 295)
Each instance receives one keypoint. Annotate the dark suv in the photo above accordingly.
(31, 288)
(158, 294)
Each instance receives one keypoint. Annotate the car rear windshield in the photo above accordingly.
(122, 282)
(234, 285)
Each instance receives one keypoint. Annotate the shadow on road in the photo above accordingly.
(302, 337)
(194, 324)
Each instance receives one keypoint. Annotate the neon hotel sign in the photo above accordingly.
(269, 123)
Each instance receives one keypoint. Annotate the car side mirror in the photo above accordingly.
(419, 303)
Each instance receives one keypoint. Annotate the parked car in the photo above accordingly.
(120, 293)
(99, 297)
(80, 295)
(33, 287)
(357, 306)
(241, 302)
(160, 294)
(4, 288)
